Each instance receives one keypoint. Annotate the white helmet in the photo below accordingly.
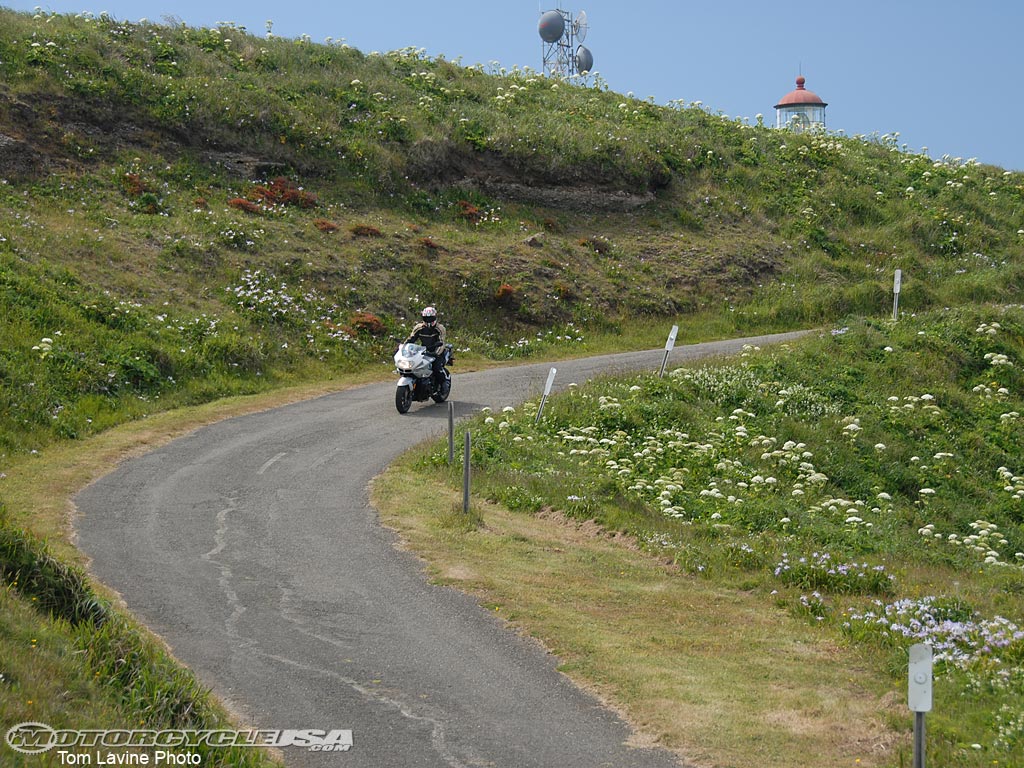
(429, 315)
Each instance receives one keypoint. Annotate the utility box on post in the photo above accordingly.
(919, 690)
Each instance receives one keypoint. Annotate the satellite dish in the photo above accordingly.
(584, 60)
(551, 27)
(580, 26)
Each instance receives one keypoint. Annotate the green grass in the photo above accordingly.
(870, 472)
(42, 677)
(85, 665)
(709, 671)
(192, 214)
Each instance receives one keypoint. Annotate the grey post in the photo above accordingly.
(919, 740)
(451, 433)
(465, 476)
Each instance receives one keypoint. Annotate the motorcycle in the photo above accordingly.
(417, 383)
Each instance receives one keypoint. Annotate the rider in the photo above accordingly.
(430, 334)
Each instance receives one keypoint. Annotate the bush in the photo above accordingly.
(365, 230)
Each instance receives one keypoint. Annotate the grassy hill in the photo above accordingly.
(187, 214)
(822, 506)
(192, 212)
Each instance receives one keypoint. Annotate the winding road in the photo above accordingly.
(250, 547)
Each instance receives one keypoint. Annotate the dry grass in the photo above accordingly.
(716, 675)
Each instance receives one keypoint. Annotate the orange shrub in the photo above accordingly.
(367, 322)
(365, 230)
(281, 191)
(244, 205)
(469, 211)
(134, 186)
(505, 294)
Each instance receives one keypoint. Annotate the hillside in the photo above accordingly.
(191, 213)
(170, 188)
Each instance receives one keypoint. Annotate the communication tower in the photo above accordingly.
(562, 37)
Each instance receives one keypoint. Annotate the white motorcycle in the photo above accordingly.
(415, 366)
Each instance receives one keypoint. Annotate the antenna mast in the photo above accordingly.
(562, 37)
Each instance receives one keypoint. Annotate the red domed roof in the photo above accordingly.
(800, 96)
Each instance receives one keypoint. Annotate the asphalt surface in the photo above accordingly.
(250, 547)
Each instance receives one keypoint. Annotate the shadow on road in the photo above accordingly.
(463, 409)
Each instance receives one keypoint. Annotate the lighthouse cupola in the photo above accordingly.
(800, 109)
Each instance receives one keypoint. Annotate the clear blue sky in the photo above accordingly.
(947, 74)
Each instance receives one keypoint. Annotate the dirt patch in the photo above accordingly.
(18, 159)
(440, 164)
(574, 198)
(589, 529)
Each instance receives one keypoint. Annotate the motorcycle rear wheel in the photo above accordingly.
(403, 399)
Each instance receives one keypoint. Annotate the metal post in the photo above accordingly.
(465, 475)
(668, 349)
(919, 740)
(451, 433)
(544, 397)
(897, 280)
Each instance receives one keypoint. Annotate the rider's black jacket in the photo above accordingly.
(430, 336)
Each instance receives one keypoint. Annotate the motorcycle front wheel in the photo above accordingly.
(403, 399)
(445, 389)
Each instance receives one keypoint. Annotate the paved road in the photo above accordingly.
(251, 548)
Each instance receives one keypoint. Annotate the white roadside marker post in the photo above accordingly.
(668, 348)
(897, 279)
(544, 397)
(919, 694)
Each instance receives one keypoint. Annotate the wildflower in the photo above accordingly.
(996, 358)
(44, 347)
